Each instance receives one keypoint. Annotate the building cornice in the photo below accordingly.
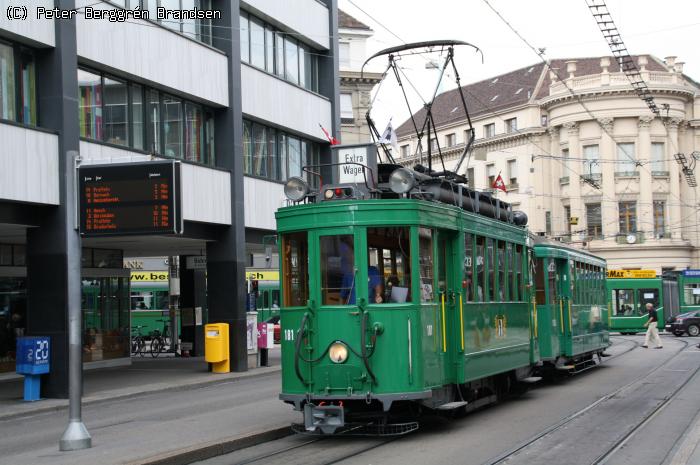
(356, 77)
(547, 103)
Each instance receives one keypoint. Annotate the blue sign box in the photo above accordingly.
(33, 355)
(691, 273)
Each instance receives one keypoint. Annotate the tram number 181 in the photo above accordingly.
(288, 334)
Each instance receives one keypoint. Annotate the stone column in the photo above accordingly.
(608, 203)
(645, 215)
(574, 174)
(675, 179)
(555, 170)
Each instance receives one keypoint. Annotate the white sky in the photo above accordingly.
(565, 28)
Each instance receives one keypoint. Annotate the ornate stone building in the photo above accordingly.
(355, 88)
(584, 156)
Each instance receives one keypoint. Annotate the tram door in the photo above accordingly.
(447, 304)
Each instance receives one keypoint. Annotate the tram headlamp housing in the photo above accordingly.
(338, 352)
(401, 181)
(296, 189)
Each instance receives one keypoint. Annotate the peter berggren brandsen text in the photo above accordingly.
(121, 15)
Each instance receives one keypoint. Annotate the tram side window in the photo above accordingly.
(623, 302)
(468, 268)
(540, 296)
(512, 288)
(502, 288)
(519, 270)
(491, 263)
(339, 278)
(295, 269)
(553, 280)
(691, 294)
(390, 254)
(480, 269)
(427, 278)
(572, 281)
(275, 298)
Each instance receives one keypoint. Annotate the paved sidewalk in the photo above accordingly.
(145, 375)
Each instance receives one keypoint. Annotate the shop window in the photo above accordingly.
(295, 273)
(389, 253)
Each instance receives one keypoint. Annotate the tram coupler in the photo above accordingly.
(324, 418)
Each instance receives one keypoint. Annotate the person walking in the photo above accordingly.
(652, 331)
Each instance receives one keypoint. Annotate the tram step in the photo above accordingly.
(452, 405)
(531, 379)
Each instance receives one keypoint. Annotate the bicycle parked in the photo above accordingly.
(138, 342)
(159, 340)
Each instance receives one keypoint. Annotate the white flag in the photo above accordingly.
(389, 137)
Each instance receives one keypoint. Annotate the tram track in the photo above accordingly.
(506, 456)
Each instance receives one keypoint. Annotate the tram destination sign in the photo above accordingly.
(130, 198)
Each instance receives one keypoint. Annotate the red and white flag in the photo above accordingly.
(499, 184)
(330, 138)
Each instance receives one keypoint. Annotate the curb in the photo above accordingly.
(216, 448)
(149, 389)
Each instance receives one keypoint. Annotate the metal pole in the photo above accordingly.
(76, 436)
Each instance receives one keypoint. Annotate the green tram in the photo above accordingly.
(447, 319)
(630, 291)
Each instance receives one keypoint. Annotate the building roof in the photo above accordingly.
(508, 90)
(347, 21)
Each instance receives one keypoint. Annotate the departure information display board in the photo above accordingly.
(130, 198)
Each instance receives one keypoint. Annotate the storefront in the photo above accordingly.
(105, 304)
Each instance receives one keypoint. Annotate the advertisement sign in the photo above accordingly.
(266, 335)
(632, 274)
(33, 355)
(252, 332)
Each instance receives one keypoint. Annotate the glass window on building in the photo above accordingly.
(548, 223)
(491, 175)
(471, 177)
(90, 104)
(658, 162)
(153, 121)
(279, 50)
(339, 278)
(346, 112)
(291, 60)
(27, 89)
(659, 219)
(628, 217)
(513, 172)
(283, 159)
(389, 253)
(173, 24)
(172, 126)
(489, 130)
(344, 54)
(247, 147)
(257, 43)
(511, 125)
(137, 112)
(591, 162)
(626, 161)
(194, 133)
(303, 55)
(13, 318)
(295, 161)
(116, 112)
(106, 322)
(261, 156)
(450, 140)
(7, 82)
(269, 49)
(403, 150)
(245, 38)
(594, 221)
(567, 219)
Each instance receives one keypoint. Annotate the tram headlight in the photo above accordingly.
(338, 352)
(401, 181)
(296, 189)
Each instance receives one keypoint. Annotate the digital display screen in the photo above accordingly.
(132, 198)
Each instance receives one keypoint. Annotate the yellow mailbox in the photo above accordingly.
(216, 347)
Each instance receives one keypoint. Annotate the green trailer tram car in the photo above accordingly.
(572, 310)
(421, 297)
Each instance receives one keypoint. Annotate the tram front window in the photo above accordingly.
(389, 252)
(295, 269)
(339, 278)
